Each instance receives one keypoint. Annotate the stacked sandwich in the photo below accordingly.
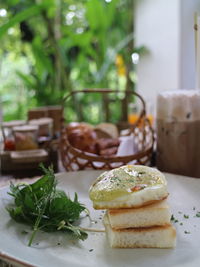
(137, 212)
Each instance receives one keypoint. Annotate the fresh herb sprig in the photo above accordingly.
(46, 208)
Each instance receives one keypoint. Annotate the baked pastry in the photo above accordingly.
(82, 136)
(108, 129)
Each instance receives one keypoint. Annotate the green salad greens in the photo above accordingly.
(46, 208)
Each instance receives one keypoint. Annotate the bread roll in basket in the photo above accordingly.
(84, 157)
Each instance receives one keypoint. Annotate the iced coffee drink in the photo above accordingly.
(178, 132)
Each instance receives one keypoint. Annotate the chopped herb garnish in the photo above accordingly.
(188, 115)
(181, 223)
(24, 232)
(174, 219)
(186, 232)
(194, 208)
(91, 250)
(43, 207)
(186, 216)
(198, 214)
(140, 173)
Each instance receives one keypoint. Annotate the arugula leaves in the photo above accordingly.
(46, 208)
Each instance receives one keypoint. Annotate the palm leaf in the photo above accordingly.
(19, 17)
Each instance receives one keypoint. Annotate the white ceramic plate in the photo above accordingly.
(57, 250)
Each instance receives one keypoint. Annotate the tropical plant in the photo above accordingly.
(70, 45)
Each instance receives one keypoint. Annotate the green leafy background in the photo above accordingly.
(52, 47)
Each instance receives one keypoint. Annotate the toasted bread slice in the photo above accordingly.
(151, 237)
(129, 186)
(152, 215)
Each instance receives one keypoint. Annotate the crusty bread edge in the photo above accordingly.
(152, 206)
(146, 229)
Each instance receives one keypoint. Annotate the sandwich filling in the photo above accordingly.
(129, 185)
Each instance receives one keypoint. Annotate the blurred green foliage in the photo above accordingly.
(51, 47)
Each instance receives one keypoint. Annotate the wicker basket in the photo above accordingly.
(74, 159)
